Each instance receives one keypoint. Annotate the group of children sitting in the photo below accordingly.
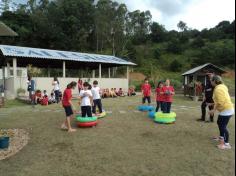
(164, 95)
(44, 99)
(105, 93)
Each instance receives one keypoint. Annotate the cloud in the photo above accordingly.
(170, 7)
(197, 14)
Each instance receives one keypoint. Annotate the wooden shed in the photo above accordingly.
(194, 80)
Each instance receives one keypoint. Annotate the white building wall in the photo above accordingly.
(46, 84)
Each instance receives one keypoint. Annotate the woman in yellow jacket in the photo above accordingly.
(223, 104)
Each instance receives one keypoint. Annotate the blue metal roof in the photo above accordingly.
(16, 51)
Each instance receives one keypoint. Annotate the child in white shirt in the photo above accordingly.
(96, 98)
(86, 100)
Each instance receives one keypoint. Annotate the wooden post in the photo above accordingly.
(8, 70)
(128, 73)
(109, 72)
(64, 69)
(93, 74)
(100, 71)
(14, 76)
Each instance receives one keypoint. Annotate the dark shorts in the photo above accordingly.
(68, 110)
(148, 99)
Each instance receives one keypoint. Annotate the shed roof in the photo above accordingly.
(6, 31)
(47, 54)
(196, 69)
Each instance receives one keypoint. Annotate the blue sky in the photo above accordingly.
(198, 14)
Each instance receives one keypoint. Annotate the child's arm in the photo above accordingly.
(172, 91)
(73, 107)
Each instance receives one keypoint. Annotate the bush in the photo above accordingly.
(157, 53)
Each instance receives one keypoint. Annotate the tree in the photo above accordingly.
(174, 46)
(182, 26)
(198, 42)
(5, 5)
(158, 32)
(176, 66)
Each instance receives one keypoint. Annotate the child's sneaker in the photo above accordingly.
(224, 146)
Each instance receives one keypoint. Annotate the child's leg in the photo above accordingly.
(158, 105)
(99, 103)
(164, 107)
(168, 107)
(83, 111)
(94, 106)
(149, 100)
(88, 111)
(143, 100)
(68, 119)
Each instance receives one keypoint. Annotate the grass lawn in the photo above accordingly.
(125, 143)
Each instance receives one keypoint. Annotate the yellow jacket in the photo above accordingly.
(222, 99)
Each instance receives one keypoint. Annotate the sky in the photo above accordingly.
(197, 14)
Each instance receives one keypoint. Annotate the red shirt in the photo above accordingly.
(168, 97)
(159, 96)
(67, 95)
(80, 84)
(146, 88)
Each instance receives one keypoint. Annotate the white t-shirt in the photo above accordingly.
(56, 85)
(95, 92)
(85, 100)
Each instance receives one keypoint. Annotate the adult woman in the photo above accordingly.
(56, 89)
(223, 104)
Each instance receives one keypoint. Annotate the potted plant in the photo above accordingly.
(5, 136)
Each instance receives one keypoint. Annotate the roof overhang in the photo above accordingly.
(44, 57)
(202, 67)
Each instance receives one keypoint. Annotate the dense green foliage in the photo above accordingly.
(107, 27)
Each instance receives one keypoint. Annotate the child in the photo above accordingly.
(52, 99)
(96, 98)
(146, 92)
(121, 93)
(86, 100)
(112, 93)
(159, 96)
(44, 100)
(168, 96)
(68, 106)
(116, 92)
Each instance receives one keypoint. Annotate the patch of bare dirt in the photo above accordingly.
(137, 76)
(18, 139)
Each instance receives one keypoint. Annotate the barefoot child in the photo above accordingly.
(96, 97)
(68, 106)
(86, 98)
(159, 96)
(146, 92)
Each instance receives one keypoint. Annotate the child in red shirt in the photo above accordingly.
(159, 96)
(168, 96)
(68, 106)
(146, 92)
